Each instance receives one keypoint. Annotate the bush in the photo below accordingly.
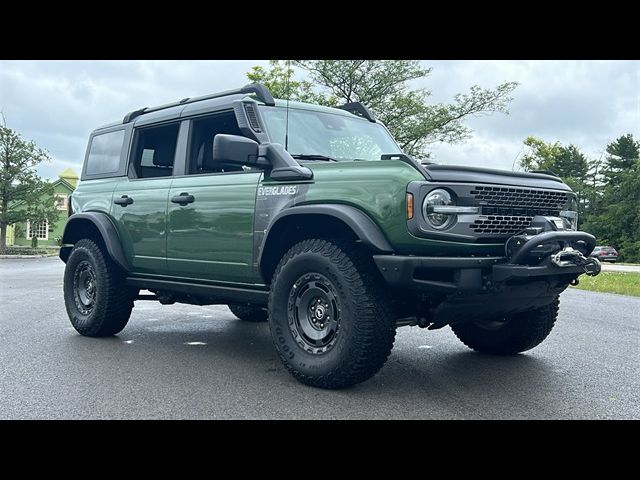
(630, 251)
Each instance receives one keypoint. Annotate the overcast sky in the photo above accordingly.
(587, 103)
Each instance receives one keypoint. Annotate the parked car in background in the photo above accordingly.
(605, 254)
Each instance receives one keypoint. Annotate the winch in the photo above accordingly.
(546, 237)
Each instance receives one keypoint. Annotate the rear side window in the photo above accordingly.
(104, 153)
(155, 150)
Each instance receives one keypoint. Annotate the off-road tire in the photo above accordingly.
(366, 328)
(113, 300)
(249, 314)
(521, 332)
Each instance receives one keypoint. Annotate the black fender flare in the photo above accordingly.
(362, 225)
(107, 231)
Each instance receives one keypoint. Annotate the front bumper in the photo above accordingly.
(464, 274)
(475, 275)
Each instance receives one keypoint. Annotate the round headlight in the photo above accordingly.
(437, 198)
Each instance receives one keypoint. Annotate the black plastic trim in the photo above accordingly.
(107, 230)
(359, 109)
(460, 173)
(222, 294)
(399, 271)
(261, 92)
(361, 224)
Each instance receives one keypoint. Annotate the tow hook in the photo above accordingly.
(569, 257)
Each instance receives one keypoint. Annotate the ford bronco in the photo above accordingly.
(313, 219)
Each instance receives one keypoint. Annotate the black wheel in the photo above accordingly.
(327, 314)
(249, 314)
(98, 301)
(508, 336)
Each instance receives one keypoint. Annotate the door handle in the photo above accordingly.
(124, 200)
(183, 198)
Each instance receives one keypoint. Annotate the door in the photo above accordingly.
(140, 201)
(211, 211)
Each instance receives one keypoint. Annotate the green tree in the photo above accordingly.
(278, 78)
(614, 216)
(23, 194)
(622, 154)
(539, 154)
(382, 85)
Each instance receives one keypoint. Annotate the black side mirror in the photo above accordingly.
(234, 149)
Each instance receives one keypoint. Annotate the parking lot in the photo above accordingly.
(190, 362)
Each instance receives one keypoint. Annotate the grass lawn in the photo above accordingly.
(624, 283)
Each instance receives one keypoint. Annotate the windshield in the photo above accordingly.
(329, 135)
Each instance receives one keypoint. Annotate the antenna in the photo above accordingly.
(286, 124)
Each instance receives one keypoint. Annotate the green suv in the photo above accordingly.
(313, 219)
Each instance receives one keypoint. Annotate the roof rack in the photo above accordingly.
(358, 109)
(261, 92)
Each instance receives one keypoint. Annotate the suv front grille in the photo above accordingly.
(500, 224)
(520, 197)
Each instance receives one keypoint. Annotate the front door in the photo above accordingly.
(140, 201)
(211, 212)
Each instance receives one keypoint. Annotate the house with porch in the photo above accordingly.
(47, 234)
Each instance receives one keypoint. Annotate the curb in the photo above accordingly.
(27, 256)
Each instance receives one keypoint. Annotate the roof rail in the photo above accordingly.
(358, 109)
(262, 93)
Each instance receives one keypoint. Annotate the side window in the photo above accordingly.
(104, 153)
(155, 150)
(203, 131)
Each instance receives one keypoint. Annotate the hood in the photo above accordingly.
(458, 173)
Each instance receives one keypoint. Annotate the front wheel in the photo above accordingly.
(97, 300)
(327, 316)
(509, 335)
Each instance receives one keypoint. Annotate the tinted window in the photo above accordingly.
(204, 131)
(104, 154)
(155, 151)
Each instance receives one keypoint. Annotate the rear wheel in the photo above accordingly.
(248, 313)
(97, 300)
(327, 314)
(509, 335)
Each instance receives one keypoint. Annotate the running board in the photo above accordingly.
(218, 294)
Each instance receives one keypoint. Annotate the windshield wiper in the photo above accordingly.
(301, 156)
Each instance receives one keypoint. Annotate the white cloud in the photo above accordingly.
(588, 103)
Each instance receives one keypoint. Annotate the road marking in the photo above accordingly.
(195, 343)
(129, 342)
(425, 346)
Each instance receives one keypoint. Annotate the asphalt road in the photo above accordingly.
(189, 362)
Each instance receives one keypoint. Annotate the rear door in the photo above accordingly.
(211, 211)
(140, 200)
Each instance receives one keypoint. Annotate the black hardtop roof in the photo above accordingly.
(211, 102)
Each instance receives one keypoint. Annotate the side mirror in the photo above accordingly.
(234, 149)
